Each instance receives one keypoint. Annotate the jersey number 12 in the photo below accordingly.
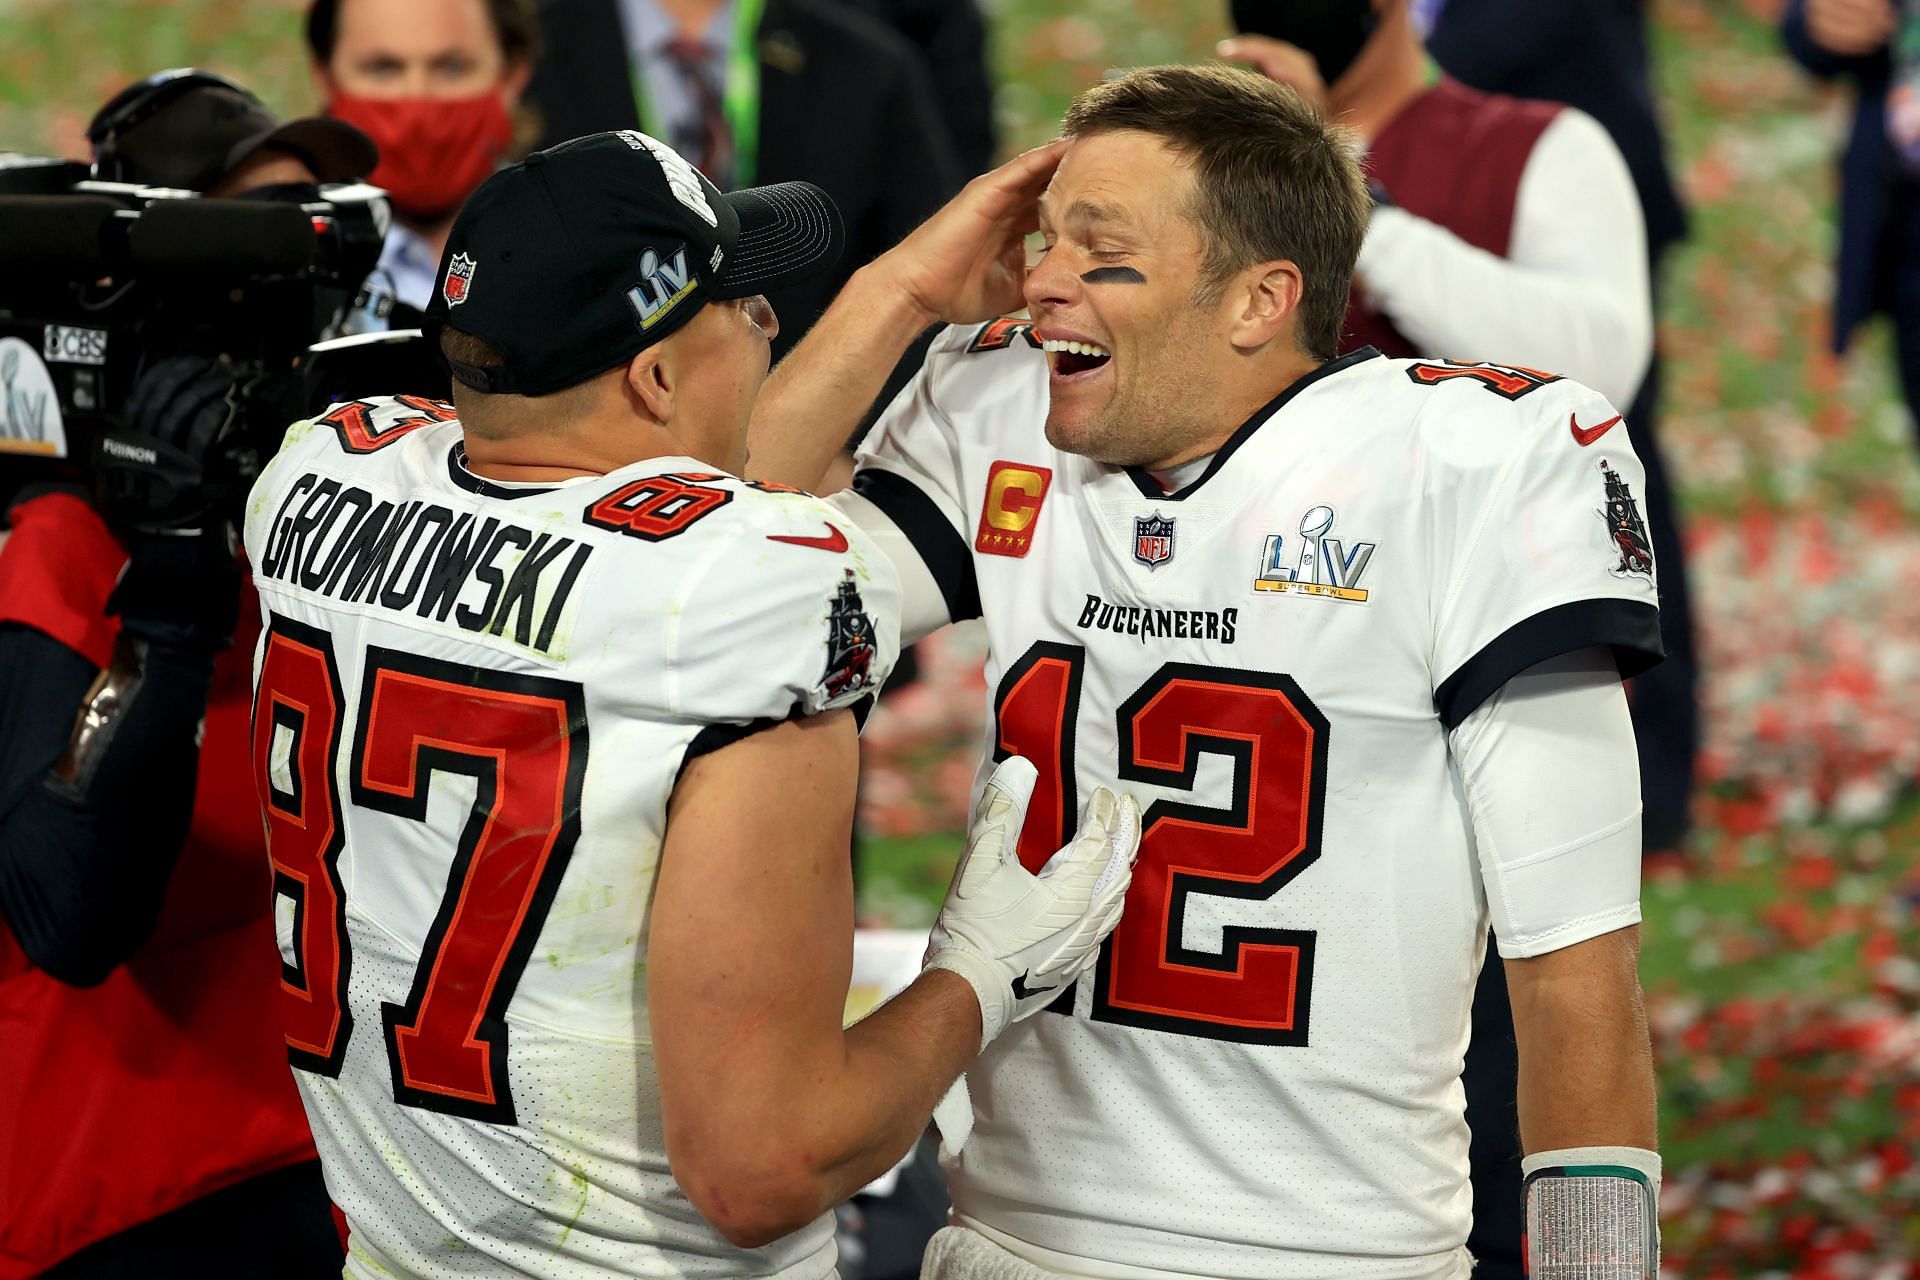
(1257, 987)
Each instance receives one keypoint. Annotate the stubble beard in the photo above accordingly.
(1111, 435)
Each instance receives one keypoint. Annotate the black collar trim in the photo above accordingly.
(457, 469)
(1150, 488)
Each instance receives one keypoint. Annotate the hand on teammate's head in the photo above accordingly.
(968, 262)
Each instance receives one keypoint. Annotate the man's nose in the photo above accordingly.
(760, 311)
(1050, 283)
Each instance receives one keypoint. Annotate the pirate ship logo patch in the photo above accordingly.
(850, 644)
(1625, 527)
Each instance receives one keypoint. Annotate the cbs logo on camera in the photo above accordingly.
(68, 345)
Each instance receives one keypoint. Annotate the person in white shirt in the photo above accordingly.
(1353, 629)
(1506, 229)
(555, 734)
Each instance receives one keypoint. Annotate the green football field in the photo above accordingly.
(1781, 943)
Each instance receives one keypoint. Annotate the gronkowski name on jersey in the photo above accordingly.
(473, 701)
(1260, 1077)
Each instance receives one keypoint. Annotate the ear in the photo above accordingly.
(1267, 304)
(322, 83)
(652, 384)
(513, 81)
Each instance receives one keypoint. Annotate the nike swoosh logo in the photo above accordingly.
(1584, 436)
(835, 541)
(1021, 990)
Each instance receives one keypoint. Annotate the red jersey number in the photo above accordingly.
(296, 738)
(1510, 381)
(523, 739)
(1257, 986)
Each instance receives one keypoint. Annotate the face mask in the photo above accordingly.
(1333, 31)
(433, 151)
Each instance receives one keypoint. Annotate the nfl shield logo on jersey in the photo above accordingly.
(1153, 539)
(459, 279)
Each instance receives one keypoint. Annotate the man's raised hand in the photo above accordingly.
(968, 262)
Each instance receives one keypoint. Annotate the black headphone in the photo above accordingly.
(140, 101)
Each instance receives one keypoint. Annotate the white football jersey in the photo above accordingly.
(473, 702)
(1260, 1077)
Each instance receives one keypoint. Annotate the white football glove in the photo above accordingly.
(1020, 939)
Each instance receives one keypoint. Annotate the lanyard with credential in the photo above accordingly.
(741, 101)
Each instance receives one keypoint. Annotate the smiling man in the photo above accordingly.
(1352, 629)
(555, 735)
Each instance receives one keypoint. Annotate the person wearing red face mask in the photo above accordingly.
(436, 84)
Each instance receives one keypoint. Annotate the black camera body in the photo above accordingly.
(99, 278)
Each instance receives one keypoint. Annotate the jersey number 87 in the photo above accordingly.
(523, 739)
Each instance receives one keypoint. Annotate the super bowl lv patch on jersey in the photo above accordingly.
(1323, 567)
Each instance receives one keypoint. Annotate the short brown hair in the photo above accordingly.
(1272, 179)
(513, 23)
(493, 416)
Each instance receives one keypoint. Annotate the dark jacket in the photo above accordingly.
(952, 36)
(1867, 173)
(1590, 54)
(844, 103)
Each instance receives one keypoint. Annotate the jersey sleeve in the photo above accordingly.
(1540, 544)
(906, 492)
(1552, 784)
(794, 613)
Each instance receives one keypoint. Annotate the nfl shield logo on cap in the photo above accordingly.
(1153, 539)
(459, 279)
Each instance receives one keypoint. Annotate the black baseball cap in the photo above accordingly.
(580, 256)
(189, 128)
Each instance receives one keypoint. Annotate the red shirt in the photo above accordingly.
(169, 1081)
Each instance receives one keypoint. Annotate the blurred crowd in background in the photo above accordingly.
(1774, 148)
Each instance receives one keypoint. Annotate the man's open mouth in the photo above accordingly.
(1071, 358)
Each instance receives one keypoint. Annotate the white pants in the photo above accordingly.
(961, 1253)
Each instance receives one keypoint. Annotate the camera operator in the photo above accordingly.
(148, 1123)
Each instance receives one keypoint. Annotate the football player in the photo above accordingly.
(1353, 629)
(555, 734)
